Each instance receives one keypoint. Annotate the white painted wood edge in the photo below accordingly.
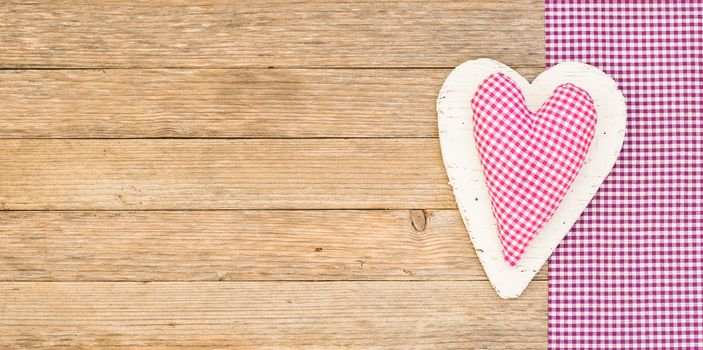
(466, 176)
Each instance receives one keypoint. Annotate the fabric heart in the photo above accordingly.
(530, 159)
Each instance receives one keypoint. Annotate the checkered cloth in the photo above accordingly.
(530, 159)
(630, 273)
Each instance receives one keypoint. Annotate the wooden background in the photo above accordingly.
(245, 174)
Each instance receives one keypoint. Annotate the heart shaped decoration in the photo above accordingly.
(529, 159)
(524, 160)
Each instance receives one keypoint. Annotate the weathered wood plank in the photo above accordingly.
(398, 315)
(163, 33)
(223, 174)
(440, 298)
(236, 246)
(221, 103)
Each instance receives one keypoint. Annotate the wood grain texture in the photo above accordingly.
(223, 174)
(318, 105)
(237, 246)
(397, 315)
(163, 34)
(281, 103)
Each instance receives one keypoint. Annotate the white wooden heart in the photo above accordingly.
(466, 176)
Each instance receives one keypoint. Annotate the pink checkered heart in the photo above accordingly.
(529, 159)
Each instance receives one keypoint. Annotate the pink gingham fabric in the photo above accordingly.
(629, 275)
(530, 159)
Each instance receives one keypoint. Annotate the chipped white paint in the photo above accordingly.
(466, 174)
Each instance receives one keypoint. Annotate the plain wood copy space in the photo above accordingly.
(243, 174)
